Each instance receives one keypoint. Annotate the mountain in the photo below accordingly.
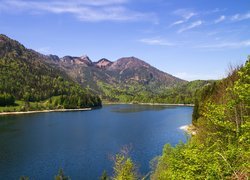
(26, 75)
(124, 70)
(127, 79)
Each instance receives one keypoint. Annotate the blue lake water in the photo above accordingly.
(82, 143)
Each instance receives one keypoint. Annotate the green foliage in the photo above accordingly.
(183, 93)
(220, 149)
(124, 168)
(195, 114)
(104, 176)
(26, 75)
(61, 176)
(7, 99)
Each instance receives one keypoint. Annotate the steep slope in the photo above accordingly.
(27, 76)
(220, 147)
(132, 69)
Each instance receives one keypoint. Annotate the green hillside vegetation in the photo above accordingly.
(25, 76)
(220, 149)
(182, 93)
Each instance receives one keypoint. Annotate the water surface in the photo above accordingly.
(37, 145)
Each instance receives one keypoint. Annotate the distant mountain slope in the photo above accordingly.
(26, 75)
(127, 79)
(124, 70)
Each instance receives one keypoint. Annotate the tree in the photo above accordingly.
(7, 99)
(61, 175)
(104, 176)
(195, 114)
(124, 168)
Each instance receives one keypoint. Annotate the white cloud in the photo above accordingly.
(156, 41)
(191, 26)
(185, 13)
(84, 10)
(223, 45)
(177, 23)
(240, 17)
(220, 19)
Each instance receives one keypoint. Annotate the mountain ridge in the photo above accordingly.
(104, 63)
(128, 79)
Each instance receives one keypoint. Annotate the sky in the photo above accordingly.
(190, 39)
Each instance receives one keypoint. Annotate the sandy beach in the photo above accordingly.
(151, 104)
(44, 111)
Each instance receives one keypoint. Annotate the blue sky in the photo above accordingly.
(191, 39)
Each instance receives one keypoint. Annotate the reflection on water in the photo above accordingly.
(140, 108)
(6, 125)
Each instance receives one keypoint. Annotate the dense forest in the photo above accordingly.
(25, 77)
(181, 93)
(220, 147)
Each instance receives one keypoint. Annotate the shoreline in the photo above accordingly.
(151, 104)
(44, 111)
(190, 129)
(89, 109)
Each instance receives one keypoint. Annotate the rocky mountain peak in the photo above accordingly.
(68, 59)
(129, 63)
(85, 59)
(103, 63)
(54, 58)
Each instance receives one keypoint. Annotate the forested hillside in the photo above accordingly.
(220, 148)
(180, 93)
(25, 76)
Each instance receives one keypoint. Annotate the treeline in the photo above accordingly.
(183, 93)
(25, 75)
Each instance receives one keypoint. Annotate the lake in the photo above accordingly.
(82, 143)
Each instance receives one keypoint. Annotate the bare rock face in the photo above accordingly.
(85, 60)
(124, 71)
(103, 63)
